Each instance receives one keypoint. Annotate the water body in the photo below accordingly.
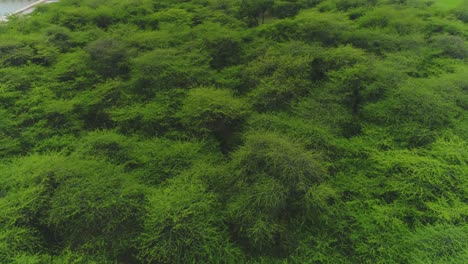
(10, 6)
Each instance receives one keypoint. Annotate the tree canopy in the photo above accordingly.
(217, 131)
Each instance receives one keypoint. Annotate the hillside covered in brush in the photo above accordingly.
(235, 131)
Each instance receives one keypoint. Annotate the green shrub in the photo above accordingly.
(183, 226)
(311, 26)
(164, 69)
(15, 53)
(223, 43)
(271, 177)
(153, 161)
(18, 240)
(109, 57)
(211, 110)
(419, 110)
(85, 205)
(451, 45)
(284, 9)
(437, 244)
(218, 131)
(462, 11)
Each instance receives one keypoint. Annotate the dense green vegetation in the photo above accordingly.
(250, 131)
(448, 4)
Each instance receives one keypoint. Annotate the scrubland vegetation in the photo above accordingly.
(217, 131)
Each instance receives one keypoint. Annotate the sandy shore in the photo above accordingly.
(27, 9)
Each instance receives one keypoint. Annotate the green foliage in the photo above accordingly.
(351, 4)
(284, 9)
(15, 240)
(416, 112)
(15, 54)
(311, 136)
(216, 111)
(311, 26)
(108, 57)
(152, 160)
(462, 11)
(428, 176)
(72, 69)
(254, 11)
(271, 179)
(281, 76)
(438, 244)
(222, 45)
(401, 21)
(86, 205)
(164, 69)
(59, 36)
(183, 227)
(217, 131)
(7, 130)
(451, 45)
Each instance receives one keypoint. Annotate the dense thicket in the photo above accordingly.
(217, 131)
